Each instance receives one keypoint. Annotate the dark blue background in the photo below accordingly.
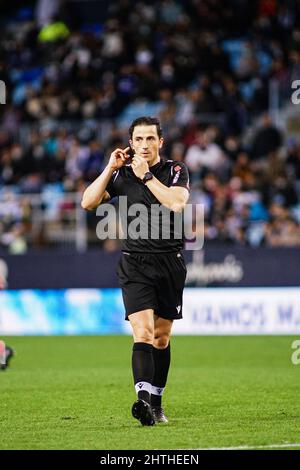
(46, 269)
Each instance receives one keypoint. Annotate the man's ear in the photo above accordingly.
(161, 142)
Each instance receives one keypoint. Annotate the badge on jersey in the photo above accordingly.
(177, 169)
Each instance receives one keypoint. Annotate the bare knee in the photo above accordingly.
(161, 341)
(142, 324)
(143, 335)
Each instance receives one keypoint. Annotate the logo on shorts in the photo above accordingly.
(178, 308)
(140, 385)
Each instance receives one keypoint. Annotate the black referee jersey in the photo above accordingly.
(161, 236)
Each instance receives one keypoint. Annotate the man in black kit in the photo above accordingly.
(151, 270)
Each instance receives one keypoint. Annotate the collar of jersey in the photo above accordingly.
(156, 165)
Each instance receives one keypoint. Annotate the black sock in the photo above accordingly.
(143, 369)
(162, 359)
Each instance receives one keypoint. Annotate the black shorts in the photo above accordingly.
(152, 281)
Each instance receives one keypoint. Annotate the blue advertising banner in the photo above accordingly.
(212, 311)
(61, 312)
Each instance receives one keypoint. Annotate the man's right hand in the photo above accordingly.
(118, 158)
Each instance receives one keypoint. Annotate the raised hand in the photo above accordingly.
(118, 158)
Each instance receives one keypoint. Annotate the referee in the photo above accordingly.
(151, 270)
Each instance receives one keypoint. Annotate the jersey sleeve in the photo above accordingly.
(180, 175)
(111, 187)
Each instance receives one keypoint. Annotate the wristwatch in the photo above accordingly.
(147, 177)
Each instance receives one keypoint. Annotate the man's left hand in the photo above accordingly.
(139, 166)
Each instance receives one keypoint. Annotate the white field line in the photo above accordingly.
(267, 446)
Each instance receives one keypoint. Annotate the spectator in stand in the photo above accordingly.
(267, 138)
(205, 155)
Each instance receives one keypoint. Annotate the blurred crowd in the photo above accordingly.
(202, 66)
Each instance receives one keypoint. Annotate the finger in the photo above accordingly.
(118, 151)
(119, 154)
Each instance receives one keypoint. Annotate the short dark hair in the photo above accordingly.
(146, 121)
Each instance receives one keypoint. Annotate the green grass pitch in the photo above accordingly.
(77, 392)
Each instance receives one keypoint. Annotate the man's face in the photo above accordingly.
(146, 143)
